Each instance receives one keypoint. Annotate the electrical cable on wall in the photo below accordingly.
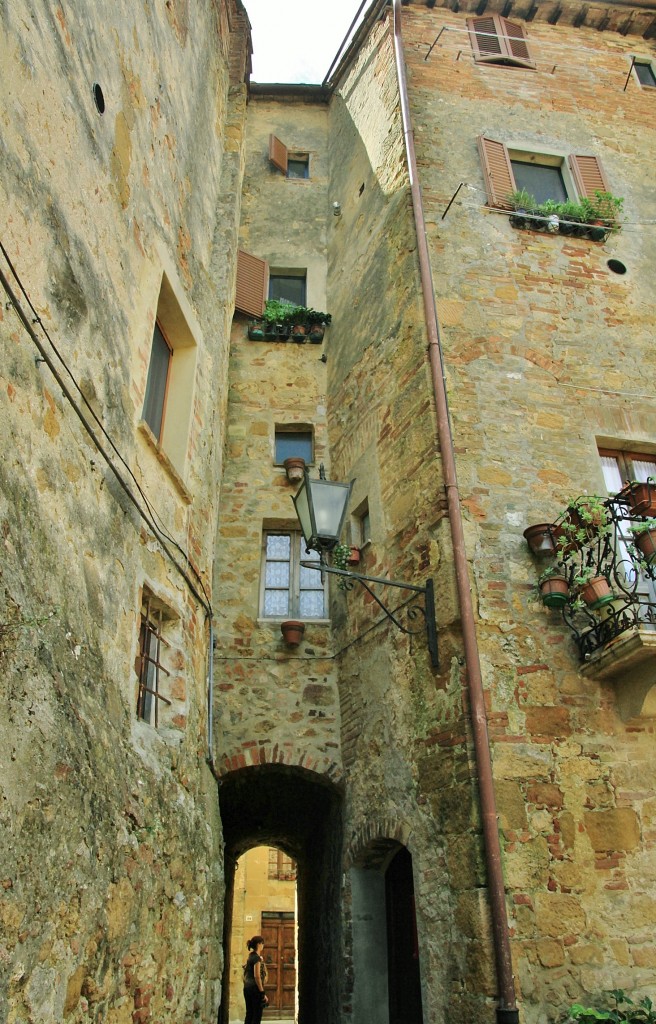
(147, 515)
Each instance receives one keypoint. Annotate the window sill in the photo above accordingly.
(286, 618)
(165, 461)
(629, 660)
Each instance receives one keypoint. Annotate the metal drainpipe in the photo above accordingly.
(507, 1012)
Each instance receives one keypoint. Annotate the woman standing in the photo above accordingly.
(255, 974)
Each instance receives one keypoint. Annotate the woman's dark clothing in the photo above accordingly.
(252, 995)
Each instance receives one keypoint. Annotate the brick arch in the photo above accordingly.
(372, 841)
(254, 753)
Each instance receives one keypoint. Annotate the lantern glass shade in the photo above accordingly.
(321, 509)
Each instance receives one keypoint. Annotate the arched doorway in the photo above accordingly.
(386, 967)
(299, 812)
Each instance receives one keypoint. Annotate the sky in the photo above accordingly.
(296, 40)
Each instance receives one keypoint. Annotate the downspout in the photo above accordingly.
(507, 1012)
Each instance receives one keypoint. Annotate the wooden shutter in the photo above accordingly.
(278, 153)
(515, 42)
(252, 283)
(499, 180)
(588, 175)
(495, 40)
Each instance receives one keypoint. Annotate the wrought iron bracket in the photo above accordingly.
(412, 611)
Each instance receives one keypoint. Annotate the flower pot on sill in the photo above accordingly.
(596, 592)
(554, 591)
(299, 332)
(256, 330)
(646, 545)
(640, 497)
(292, 632)
(316, 333)
(294, 467)
(354, 557)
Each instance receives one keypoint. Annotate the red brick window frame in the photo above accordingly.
(495, 40)
(586, 172)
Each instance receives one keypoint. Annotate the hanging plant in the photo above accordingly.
(340, 556)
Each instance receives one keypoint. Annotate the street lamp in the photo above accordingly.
(321, 507)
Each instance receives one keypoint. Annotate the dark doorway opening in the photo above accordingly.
(386, 963)
(300, 813)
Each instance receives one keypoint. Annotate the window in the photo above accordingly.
(281, 867)
(298, 166)
(293, 165)
(554, 177)
(149, 659)
(291, 443)
(495, 40)
(619, 467)
(361, 524)
(158, 380)
(291, 287)
(645, 73)
(542, 180)
(289, 589)
(169, 389)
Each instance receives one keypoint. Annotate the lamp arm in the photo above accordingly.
(428, 592)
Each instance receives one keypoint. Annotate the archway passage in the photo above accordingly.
(300, 813)
(386, 967)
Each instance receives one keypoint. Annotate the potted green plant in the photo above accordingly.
(523, 203)
(639, 496)
(584, 520)
(594, 588)
(317, 323)
(644, 539)
(554, 587)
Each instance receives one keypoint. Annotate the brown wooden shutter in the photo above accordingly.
(499, 179)
(484, 36)
(278, 153)
(252, 283)
(588, 175)
(515, 42)
(495, 40)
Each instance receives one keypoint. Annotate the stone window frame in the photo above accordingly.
(361, 524)
(297, 554)
(645, 62)
(302, 429)
(157, 621)
(173, 320)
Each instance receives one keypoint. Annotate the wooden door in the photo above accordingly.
(279, 954)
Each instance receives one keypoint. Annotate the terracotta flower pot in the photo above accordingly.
(256, 331)
(596, 592)
(646, 544)
(299, 332)
(292, 632)
(354, 557)
(317, 332)
(294, 467)
(542, 538)
(554, 591)
(641, 498)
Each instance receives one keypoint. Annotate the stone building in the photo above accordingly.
(474, 839)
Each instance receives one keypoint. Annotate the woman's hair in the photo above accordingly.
(253, 943)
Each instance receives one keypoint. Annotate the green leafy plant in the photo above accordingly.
(315, 318)
(625, 1011)
(584, 519)
(522, 200)
(339, 559)
(279, 311)
(643, 527)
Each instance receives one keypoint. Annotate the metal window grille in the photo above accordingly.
(150, 665)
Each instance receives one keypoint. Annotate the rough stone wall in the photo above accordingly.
(382, 432)
(111, 853)
(273, 704)
(547, 355)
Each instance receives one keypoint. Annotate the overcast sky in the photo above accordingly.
(296, 40)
